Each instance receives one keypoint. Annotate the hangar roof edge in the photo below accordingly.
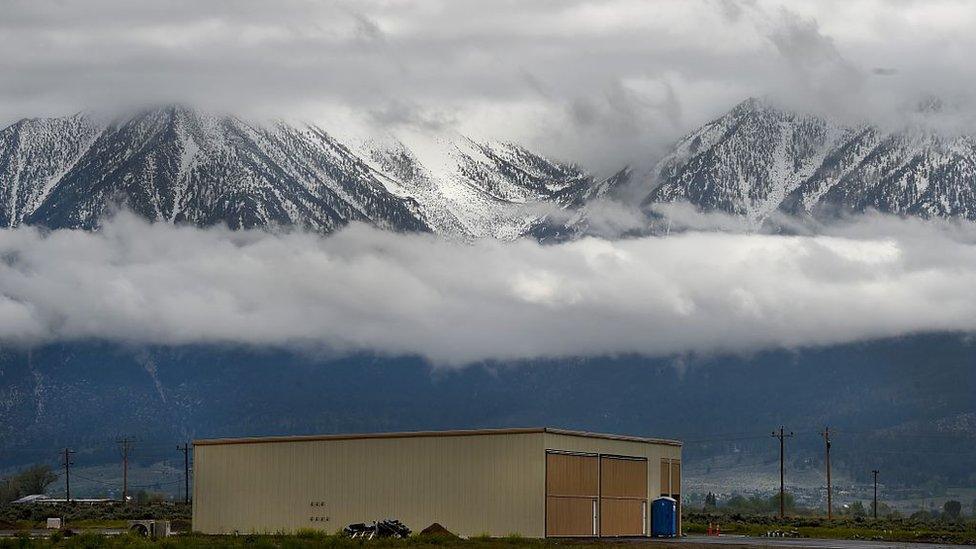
(416, 434)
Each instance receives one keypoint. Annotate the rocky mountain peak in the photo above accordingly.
(759, 159)
(180, 165)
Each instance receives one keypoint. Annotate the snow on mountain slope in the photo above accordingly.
(179, 165)
(485, 189)
(34, 155)
(758, 159)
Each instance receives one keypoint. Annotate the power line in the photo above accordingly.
(157, 484)
(923, 451)
(88, 445)
(115, 484)
(95, 480)
(886, 432)
(729, 439)
(687, 439)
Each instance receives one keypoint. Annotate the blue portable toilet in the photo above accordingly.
(663, 517)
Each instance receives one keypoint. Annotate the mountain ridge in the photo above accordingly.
(175, 164)
(179, 165)
(758, 159)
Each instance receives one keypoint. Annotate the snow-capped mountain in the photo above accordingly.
(179, 165)
(758, 159)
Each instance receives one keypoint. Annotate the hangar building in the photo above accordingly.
(538, 482)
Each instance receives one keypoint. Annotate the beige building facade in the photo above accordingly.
(535, 482)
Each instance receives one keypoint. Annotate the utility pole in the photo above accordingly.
(186, 471)
(126, 444)
(67, 474)
(830, 493)
(875, 473)
(781, 435)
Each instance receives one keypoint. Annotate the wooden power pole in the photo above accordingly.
(782, 436)
(186, 471)
(67, 474)
(875, 473)
(830, 492)
(126, 444)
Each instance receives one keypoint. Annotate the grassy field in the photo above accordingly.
(303, 540)
(961, 532)
(81, 520)
(80, 517)
(309, 540)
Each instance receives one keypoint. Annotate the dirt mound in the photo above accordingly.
(437, 530)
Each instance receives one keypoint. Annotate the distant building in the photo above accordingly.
(44, 499)
(534, 482)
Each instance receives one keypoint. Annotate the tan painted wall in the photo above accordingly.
(471, 484)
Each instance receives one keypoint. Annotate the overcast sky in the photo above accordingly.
(603, 83)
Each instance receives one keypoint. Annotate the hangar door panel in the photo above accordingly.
(622, 517)
(665, 477)
(572, 494)
(671, 483)
(623, 496)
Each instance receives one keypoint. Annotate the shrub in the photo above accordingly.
(311, 533)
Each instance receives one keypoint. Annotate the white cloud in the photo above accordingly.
(454, 303)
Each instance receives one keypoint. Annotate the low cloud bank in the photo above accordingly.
(457, 303)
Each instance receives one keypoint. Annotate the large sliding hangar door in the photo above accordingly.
(572, 494)
(595, 495)
(623, 496)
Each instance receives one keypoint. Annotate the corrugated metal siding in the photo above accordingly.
(491, 484)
